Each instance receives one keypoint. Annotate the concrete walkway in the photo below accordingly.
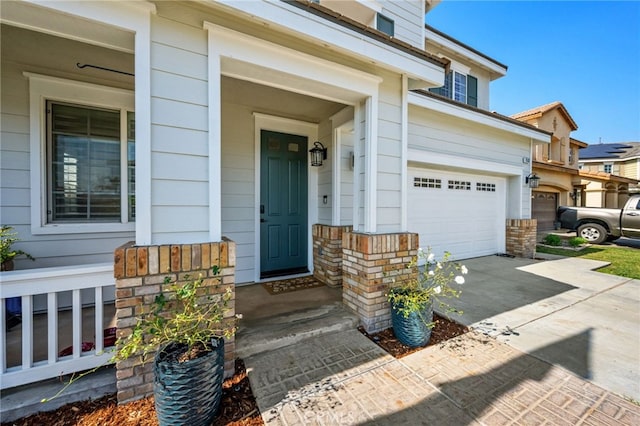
(345, 379)
(556, 343)
(563, 311)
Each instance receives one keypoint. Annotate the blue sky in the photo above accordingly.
(585, 54)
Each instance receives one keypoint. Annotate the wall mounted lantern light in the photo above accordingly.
(318, 153)
(532, 180)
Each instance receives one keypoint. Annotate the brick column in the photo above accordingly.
(371, 265)
(327, 253)
(521, 237)
(140, 272)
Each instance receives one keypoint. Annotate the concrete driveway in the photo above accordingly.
(561, 311)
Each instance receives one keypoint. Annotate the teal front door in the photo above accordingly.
(283, 204)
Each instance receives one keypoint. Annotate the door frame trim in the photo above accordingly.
(295, 127)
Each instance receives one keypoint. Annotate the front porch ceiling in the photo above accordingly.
(279, 102)
(49, 21)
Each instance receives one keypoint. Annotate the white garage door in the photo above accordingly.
(457, 212)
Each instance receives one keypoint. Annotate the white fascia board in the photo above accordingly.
(476, 117)
(472, 56)
(250, 50)
(457, 161)
(126, 15)
(327, 33)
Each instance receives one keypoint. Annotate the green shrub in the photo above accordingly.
(577, 241)
(552, 240)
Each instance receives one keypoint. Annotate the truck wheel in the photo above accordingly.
(593, 233)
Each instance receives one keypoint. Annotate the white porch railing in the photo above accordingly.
(93, 283)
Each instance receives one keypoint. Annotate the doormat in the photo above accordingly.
(293, 284)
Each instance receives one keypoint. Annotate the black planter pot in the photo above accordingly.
(414, 330)
(188, 393)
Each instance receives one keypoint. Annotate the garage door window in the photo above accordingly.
(420, 182)
(485, 187)
(462, 185)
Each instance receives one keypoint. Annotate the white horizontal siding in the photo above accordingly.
(389, 155)
(238, 187)
(408, 20)
(192, 142)
(25, 51)
(179, 144)
(430, 131)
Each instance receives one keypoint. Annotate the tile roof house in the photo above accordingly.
(603, 164)
(173, 136)
(555, 163)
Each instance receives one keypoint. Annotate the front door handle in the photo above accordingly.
(633, 214)
(262, 220)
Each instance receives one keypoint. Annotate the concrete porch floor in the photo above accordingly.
(274, 321)
(255, 303)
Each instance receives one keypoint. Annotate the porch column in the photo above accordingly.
(327, 253)
(521, 237)
(140, 272)
(371, 164)
(371, 265)
(215, 142)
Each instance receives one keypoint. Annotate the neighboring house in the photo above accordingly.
(555, 163)
(178, 123)
(611, 172)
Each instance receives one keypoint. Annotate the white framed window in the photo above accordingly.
(460, 87)
(608, 167)
(82, 157)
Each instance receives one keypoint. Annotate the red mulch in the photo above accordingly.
(238, 406)
(442, 331)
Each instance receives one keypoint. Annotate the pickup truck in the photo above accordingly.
(597, 225)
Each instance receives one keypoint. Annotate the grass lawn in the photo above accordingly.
(625, 261)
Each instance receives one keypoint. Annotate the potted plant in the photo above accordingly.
(185, 329)
(412, 302)
(7, 253)
(13, 305)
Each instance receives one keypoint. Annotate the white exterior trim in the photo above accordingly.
(134, 17)
(475, 117)
(296, 127)
(404, 155)
(471, 55)
(357, 165)
(459, 162)
(371, 166)
(295, 20)
(214, 137)
(295, 71)
(41, 89)
(336, 179)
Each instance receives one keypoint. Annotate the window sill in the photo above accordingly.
(82, 228)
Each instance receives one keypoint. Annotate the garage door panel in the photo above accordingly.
(457, 212)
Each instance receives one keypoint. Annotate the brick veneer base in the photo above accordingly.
(521, 237)
(327, 253)
(140, 272)
(371, 265)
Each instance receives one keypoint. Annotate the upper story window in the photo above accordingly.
(460, 87)
(608, 167)
(384, 24)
